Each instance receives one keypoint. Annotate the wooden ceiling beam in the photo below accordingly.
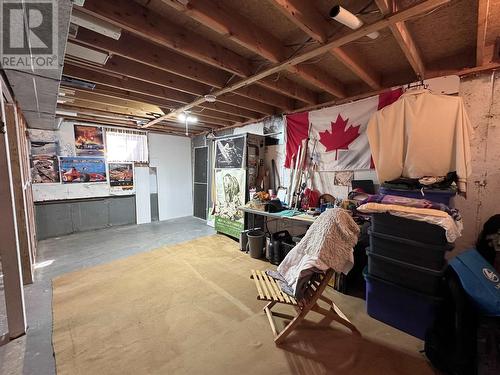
(120, 102)
(107, 107)
(192, 128)
(228, 109)
(305, 17)
(92, 111)
(141, 21)
(128, 84)
(96, 119)
(124, 124)
(319, 78)
(119, 67)
(239, 29)
(404, 38)
(132, 69)
(288, 87)
(135, 85)
(215, 110)
(358, 67)
(263, 95)
(138, 50)
(412, 11)
(133, 66)
(233, 98)
(482, 26)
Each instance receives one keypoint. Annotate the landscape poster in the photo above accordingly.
(44, 169)
(47, 148)
(80, 169)
(121, 177)
(89, 140)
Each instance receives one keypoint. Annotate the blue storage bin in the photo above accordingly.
(385, 223)
(439, 196)
(420, 279)
(401, 308)
(413, 252)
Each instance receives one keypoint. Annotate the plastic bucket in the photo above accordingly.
(256, 242)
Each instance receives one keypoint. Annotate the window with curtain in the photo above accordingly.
(126, 145)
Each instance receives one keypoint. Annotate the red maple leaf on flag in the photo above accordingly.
(339, 138)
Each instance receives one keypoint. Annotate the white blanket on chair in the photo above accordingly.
(327, 244)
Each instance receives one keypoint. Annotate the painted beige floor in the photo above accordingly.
(191, 308)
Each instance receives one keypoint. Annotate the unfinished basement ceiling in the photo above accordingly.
(36, 91)
(171, 53)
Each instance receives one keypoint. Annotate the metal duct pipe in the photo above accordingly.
(350, 20)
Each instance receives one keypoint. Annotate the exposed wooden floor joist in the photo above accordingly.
(403, 15)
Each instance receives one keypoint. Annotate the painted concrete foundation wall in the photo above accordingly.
(59, 218)
(172, 157)
(481, 95)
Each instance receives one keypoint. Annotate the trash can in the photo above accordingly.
(256, 242)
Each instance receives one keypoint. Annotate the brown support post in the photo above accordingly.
(9, 247)
(18, 184)
(28, 191)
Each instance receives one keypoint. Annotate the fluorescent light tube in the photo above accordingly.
(86, 54)
(66, 113)
(88, 22)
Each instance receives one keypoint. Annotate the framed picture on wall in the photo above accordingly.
(45, 169)
(89, 140)
(229, 152)
(80, 169)
(121, 177)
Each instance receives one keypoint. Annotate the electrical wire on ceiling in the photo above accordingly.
(301, 47)
(322, 57)
(277, 77)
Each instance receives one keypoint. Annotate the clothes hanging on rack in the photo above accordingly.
(421, 134)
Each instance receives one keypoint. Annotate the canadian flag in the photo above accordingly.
(337, 135)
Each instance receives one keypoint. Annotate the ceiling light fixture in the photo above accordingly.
(350, 20)
(66, 113)
(101, 27)
(210, 98)
(187, 119)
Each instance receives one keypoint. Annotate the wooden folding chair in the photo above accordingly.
(269, 290)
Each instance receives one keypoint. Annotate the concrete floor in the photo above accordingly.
(32, 353)
(3, 314)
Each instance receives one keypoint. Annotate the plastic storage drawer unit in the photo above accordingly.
(438, 196)
(414, 252)
(410, 229)
(401, 308)
(408, 275)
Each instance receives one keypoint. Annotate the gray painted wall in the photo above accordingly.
(58, 218)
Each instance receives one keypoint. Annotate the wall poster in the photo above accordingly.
(121, 177)
(44, 169)
(44, 163)
(230, 152)
(230, 194)
(79, 169)
(44, 147)
(89, 140)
